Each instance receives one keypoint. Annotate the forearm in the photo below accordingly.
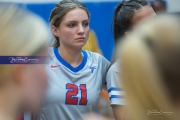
(119, 111)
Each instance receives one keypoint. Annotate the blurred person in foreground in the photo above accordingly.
(22, 86)
(150, 70)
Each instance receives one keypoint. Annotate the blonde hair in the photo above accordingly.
(22, 33)
(60, 10)
(149, 62)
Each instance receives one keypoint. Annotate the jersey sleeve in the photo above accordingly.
(114, 87)
(105, 65)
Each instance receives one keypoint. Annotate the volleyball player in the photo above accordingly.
(75, 75)
(127, 15)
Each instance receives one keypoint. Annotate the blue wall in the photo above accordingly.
(100, 21)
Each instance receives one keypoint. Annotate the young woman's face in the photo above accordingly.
(74, 29)
(142, 14)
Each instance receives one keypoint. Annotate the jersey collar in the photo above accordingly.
(74, 69)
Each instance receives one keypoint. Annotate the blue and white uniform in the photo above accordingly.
(72, 92)
(114, 85)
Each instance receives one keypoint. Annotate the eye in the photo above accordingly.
(71, 25)
(86, 24)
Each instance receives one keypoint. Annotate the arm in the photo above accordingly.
(118, 111)
(115, 92)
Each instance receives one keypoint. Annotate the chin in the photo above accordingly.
(79, 45)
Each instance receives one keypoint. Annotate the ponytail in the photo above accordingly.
(56, 42)
(115, 21)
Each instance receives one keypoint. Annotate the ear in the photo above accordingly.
(54, 30)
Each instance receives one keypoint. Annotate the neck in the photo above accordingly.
(8, 104)
(72, 56)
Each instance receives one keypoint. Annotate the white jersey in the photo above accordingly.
(72, 92)
(114, 86)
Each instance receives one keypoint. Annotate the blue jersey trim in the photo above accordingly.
(115, 96)
(114, 89)
(76, 69)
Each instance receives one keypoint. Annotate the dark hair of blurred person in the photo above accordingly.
(22, 86)
(159, 6)
(151, 70)
(129, 13)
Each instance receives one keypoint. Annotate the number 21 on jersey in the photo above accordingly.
(71, 94)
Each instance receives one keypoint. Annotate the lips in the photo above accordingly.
(81, 38)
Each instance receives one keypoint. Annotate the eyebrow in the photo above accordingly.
(77, 21)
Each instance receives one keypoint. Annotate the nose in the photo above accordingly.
(81, 30)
